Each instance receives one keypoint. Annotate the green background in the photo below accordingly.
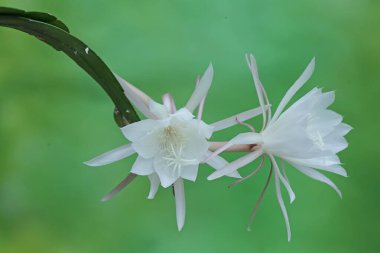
(53, 117)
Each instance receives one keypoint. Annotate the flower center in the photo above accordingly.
(173, 142)
(317, 139)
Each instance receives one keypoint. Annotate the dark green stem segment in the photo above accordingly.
(55, 33)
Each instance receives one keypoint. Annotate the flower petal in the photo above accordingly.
(282, 205)
(138, 98)
(147, 146)
(189, 172)
(337, 169)
(231, 121)
(218, 163)
(154, 184)
(235, 165)
(168, 175)
(312, 173)
(201, 90)
(256, 80)
(111, 156)
(180, 203)
(183, 114)
(296, 86)
(343, 129)
(168, 101)
(159, 110)
(285, 182)
(138, 129)
(142, 166)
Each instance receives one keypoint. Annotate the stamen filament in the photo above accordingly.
(260, 198)
(249, 175)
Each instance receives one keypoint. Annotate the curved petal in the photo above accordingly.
(258, 86)
(285, 182)
(312, 173)
(111, 156)
(282, 205)
(201, 90)
(295, 87)
(337, 169)
(154, 184)
(180, 204)
(142, 166)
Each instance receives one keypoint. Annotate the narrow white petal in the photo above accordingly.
(119, 187)
(154, 184)
(231, 121)
(111, 156)
(312, 173)
(255, 74)
(337, 169)
(201, 90)
(180, 204)
(159, 110)
(235, 165)
(282, 205)
(138, 98)
(218, 163)
(168, 101)
(285, 182)
(296, 86)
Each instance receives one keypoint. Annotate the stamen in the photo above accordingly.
(260, 198)
(245, 124)
(249, 175)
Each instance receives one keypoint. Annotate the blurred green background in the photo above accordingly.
(53, 117)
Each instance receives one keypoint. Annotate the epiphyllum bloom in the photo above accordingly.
(170, 143)
(307, 135)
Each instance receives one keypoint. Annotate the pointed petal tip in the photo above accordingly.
(92, 163)
(88, 163)
(213, 176)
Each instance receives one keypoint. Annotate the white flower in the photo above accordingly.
(307, 135)
(170, 144)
